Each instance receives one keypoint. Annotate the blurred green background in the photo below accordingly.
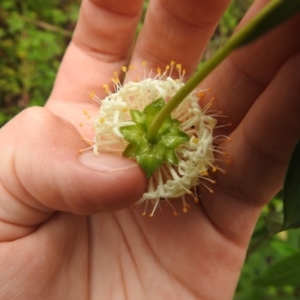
(33, 38)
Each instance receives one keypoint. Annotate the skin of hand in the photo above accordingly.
(66, 230)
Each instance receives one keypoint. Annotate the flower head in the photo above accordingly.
(194, 157)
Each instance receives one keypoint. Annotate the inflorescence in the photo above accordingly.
(196, 159)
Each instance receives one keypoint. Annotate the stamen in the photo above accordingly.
(154, 209)
(174, 211)
(185, 205)
(206, 187)
(145, 210)
(106, 89)
(225, 125)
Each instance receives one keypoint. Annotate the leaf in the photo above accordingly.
(166, 125)
(171, 157)
(291, 192)
(152, 110)
(174, 137)
(137, 116)
(130, 150)
(291, 198)
(285, 272)
(133, 133)
(274, 222)
(150, 156)
(272, 15)
(283, 248)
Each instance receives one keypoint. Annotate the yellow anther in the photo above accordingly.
(124, 69)
(203, 173)
(158, 71)
(172, 63)
(144, 63)
(131, 67)
(167, 67)
(115, 80)
(185, 209)
(106, 88)
(196, 199)
(200, 94)
(178, 67)
(125, 109)
(101, 120)
(92, 94)
(195, 140)
(85, 112)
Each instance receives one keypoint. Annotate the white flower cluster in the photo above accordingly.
(195, 157)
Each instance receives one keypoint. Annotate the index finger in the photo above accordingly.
(177, 30)
(101, 44)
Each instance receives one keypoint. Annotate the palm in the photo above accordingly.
(62, 253)
(126, 256)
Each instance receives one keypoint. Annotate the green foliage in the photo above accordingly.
(290, 217)
(291, 192)
(276, 257)
(268, 258)
(33, 38)
(285, 272)
(276, 12)
(227, 25)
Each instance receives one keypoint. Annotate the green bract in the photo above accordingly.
(151, 153)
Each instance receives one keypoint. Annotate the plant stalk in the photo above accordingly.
(270, 16)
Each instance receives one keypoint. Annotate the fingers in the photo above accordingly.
(41, 173)
(238, 81)
(101, 44)
(177, 30)
(271, 128)
(260, 150)
(256, 87)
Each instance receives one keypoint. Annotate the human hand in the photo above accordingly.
(61, 237)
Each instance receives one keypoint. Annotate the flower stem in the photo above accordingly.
(271, 15)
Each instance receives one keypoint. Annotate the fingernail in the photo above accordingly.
(106, 162)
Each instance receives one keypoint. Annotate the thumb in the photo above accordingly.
(41, 172)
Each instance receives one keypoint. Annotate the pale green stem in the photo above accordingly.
(270, 16)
